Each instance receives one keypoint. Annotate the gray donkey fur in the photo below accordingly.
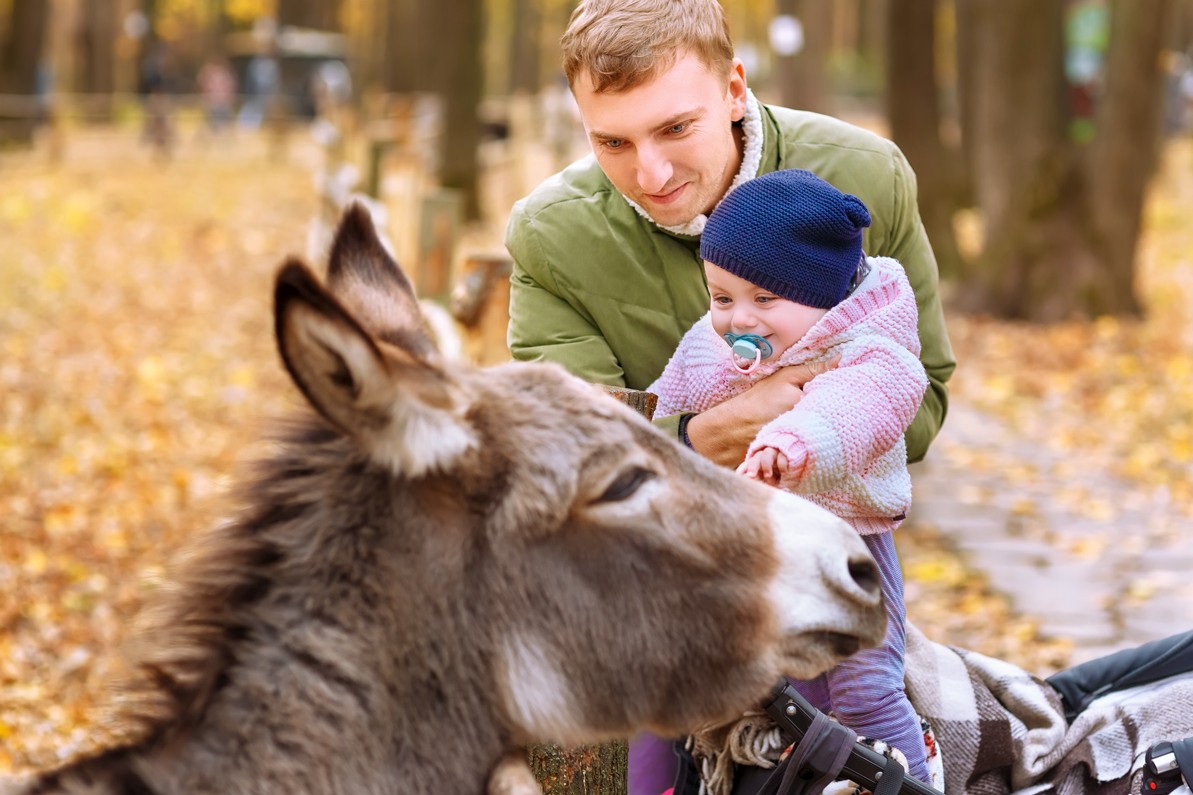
(441, 564)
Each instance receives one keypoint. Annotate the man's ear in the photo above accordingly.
(737, 90)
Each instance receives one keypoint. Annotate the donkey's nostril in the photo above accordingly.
(865, 573)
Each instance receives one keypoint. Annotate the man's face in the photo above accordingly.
(669, 143)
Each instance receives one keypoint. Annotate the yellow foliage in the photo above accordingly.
(120, 331)
(14, 209)
(245, 11)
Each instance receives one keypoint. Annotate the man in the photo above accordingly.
(607, 268)
(607, 271)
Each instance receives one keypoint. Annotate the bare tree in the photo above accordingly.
(526, 29)
(96, 66)
(458, 62)
(801, 78)
(1062, 216)
(913, 109)
(20, 57)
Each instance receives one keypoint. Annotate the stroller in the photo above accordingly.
(824, 751)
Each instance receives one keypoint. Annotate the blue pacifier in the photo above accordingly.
(750, 347)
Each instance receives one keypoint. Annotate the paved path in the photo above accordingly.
(1108, 570)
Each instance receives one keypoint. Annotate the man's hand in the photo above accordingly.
(723, 433)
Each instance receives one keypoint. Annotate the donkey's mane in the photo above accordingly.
(185, 635)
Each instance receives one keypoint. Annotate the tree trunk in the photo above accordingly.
(967, 53)
(524, 48)
(316, 14)
(97, 57)
(801, 78)
(1062, 217)
(872, 32)
(405, 41)
(591, 770)
(1027, 179)
(1123, 156)
(914, 113)
(20, 57)
(461, 66)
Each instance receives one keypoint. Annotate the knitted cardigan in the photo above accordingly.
(847, 429)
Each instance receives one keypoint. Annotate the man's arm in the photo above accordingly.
(723, 433)
(544, 327)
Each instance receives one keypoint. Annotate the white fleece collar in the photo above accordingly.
(751, 158)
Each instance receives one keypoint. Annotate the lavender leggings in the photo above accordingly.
(864, 692)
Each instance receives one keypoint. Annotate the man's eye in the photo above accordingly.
(626, 484)
(612, 143)
(676, 129)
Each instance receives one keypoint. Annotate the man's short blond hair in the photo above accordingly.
(623, 43)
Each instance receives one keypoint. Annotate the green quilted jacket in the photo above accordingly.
(605, 292)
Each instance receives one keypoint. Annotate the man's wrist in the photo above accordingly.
(683, 430)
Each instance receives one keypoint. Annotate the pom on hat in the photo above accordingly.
(789, 232)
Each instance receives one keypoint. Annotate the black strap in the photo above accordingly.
(892, 778)
(799, 721)
(816, 760)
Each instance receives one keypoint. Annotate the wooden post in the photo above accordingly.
(440, 220)
(480, 303)
(642, 402)
(591, 769)
(390, 131)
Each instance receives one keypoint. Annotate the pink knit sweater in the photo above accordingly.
(847, 430)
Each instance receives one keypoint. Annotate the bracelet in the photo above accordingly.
(683, 430)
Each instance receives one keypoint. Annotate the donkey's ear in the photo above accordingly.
(405, 412)
(363, 276)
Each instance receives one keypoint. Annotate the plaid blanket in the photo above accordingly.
(998, 729)
(1001, 730)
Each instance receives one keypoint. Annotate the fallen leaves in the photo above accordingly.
(954, 605)
(1115, 394)
(136, 363)
(1100, 416)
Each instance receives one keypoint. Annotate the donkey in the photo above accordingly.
(441, 564)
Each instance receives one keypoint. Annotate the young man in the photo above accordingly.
(607, 270)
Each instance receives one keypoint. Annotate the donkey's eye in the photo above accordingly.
(626, 484)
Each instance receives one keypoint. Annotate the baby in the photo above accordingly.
(790, 284)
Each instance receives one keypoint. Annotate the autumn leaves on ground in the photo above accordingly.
(137, 367)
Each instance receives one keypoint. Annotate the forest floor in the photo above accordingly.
(137, 365)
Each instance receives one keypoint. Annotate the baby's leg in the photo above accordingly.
(652, 766)
(866, 689)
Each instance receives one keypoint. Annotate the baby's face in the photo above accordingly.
(740, 307)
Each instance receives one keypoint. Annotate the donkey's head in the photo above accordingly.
(549, 555)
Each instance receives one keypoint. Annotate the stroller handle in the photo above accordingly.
(794, 715)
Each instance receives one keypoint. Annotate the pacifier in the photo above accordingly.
(749, 347)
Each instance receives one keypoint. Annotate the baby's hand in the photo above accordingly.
(766, 464)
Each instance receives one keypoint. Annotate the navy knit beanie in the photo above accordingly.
(789, 232)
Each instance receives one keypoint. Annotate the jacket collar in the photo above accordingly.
(752, 158)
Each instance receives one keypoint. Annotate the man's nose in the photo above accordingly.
(654, 169)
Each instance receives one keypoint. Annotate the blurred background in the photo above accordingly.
(1034, 127)
(160, 158)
